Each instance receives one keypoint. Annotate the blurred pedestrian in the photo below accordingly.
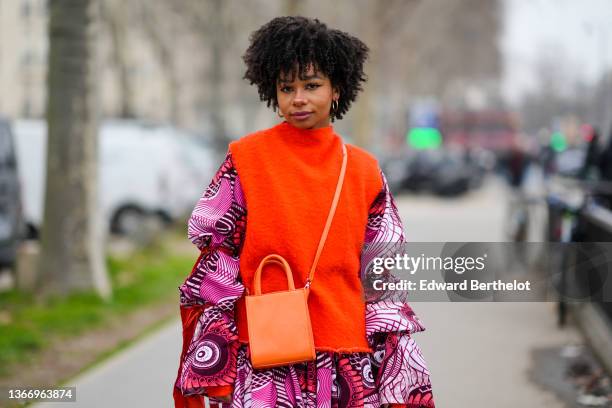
(604, 165)
(272, 195)
(518, 161)
(591, 160)
(605, 161)
(546, 155)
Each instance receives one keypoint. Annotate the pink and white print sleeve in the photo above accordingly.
(209, 360)
(403, 377)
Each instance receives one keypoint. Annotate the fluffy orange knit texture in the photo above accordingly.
(289, 176)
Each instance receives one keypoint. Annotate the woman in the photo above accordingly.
(272, 195)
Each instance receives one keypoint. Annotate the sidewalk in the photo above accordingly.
(479, 354)
(140, 376)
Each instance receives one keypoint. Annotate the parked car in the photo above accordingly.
(570, 162)
(394, 168)
(441, 171)
(11, 221)
(31, 147)
(144, 170)
(452, 176)
(422, 169)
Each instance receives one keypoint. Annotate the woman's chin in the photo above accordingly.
(301, 124)
(310, 123)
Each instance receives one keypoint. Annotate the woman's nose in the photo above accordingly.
(300, 97)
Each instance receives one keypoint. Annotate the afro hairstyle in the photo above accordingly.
(291, 44)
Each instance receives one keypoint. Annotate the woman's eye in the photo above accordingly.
(313, 86)
(286, 89)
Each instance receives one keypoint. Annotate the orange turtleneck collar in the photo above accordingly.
(308, 134)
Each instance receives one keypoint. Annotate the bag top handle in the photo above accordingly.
(273, 259)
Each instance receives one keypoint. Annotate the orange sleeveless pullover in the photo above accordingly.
(288, 176)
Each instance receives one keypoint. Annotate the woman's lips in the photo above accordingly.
(301, 115)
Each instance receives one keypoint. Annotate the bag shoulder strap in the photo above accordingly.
(330, 216)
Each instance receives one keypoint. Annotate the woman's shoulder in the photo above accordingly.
(365, 167)
(253, 137)
(250, 141)
(361, 153)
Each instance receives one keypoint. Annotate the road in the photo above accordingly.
(479, 354)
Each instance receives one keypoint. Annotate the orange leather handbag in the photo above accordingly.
(280, 332)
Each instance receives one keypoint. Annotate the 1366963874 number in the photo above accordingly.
(46, 394)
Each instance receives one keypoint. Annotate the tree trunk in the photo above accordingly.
(72, 245)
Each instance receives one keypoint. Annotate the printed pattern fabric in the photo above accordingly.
(395, 373)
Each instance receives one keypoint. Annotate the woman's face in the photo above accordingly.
(305, 103)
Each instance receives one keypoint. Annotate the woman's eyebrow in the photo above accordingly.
(305, 78)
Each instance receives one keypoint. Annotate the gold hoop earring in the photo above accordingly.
(280, 115)
(334, 107)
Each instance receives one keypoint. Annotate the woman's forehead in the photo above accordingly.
(309, 72)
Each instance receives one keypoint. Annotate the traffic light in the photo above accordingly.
(422, 138)
(558, 142)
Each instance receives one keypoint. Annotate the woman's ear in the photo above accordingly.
(335, 95)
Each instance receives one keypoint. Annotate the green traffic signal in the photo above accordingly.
(424, 138)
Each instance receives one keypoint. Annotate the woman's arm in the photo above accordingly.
(402, 377)
(208, 295)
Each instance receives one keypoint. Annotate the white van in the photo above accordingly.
(11, 215)
(143, 170)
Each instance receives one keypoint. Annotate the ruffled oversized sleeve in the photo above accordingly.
(207, 297)
(402, 377)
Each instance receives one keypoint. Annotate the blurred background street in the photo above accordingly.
(491, 119)
(479, 354)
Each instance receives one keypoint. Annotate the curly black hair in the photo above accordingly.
(290, 44)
